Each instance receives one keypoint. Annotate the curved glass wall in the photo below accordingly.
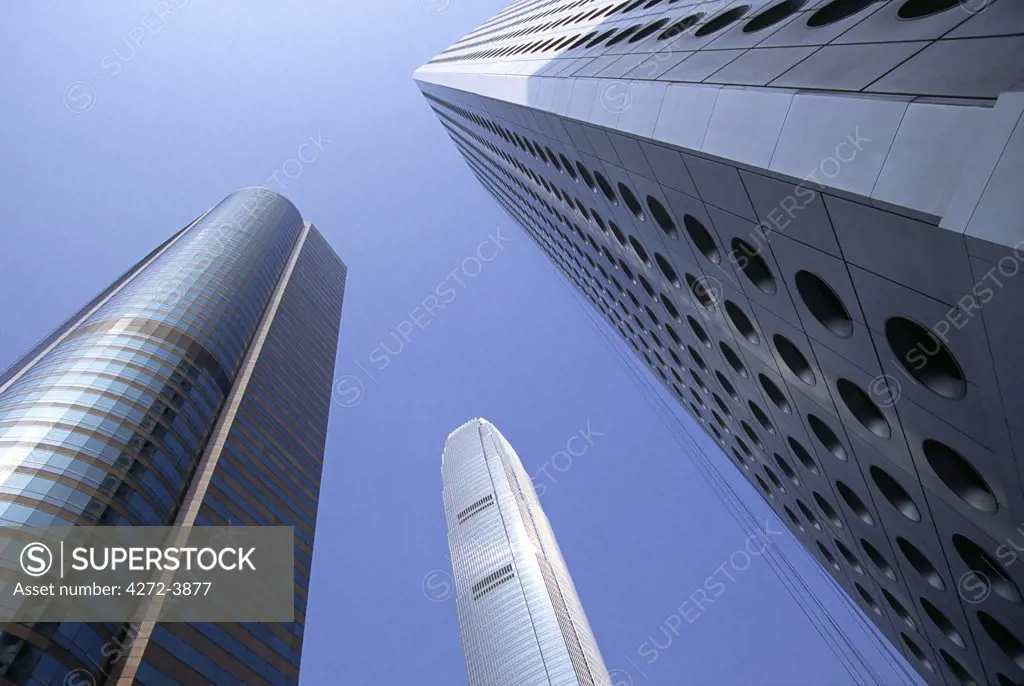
(108, 426)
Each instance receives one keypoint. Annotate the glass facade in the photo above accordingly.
(110, 419)
(521, 620)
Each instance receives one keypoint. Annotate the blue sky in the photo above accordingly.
(125, 119)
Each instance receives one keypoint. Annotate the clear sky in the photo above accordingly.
(124, 119)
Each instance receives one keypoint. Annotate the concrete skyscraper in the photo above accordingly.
(195, 389)
(521, 621)
(804, 217)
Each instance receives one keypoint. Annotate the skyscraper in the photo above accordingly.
(804, 217)
(195, 389)
(521, 621)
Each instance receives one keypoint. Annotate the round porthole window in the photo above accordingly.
(631, 202)
(723, 20)
(986, 570)
(925, 357)
(794, 360)
(863, 408)
(837, 10)
(823, 304)
(959, 476)
(921, 564)
(753, 266)
(773, 15)
(916, 9)
(662, 216)
(701, 238)
(895, 493)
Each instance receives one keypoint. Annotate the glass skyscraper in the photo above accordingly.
(195, 389)
(521, 621)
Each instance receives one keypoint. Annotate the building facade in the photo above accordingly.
(804, 217)
(521, 620)
(194, 390)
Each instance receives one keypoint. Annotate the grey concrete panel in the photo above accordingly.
(1009, 366)
(568, 67)
(870, 415)
(623, 216)
(883, 299)
(691, 41)
(770, 291)
(653, 234)
(967, 68)
(714, 261)
(795, 210)
(838, 141)
(630, 154)
(876, 241)
(920, 174)
(884, 26)
(682, 205)
(988, 150)
(793, 257)
(656, 64)
(545, 92)
(898, 607)
(562, 97)
(847, 67)
(828, 438)
(552, 68)
(760, 66)
(735, 37)
(994, 472)
(557, 124)
(720, 185)
(744, 324)
(578, 136)
(954, 635)
(991, 18)
(622, 65)
(745, 125)
(641, 104)
(685, 115)
(796, 32)
(997, 216)
(976, 595)
(804, 373)
(608, 103)
(700, 65)
(602, 145)
(668, 168)
(786, 417)
(900, 502)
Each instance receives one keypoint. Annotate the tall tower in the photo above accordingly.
(804, 217)
(195, 389)
(521, 621)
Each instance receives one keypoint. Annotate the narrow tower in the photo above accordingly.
(521, 621)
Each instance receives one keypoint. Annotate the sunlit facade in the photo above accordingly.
(195, 389)
(521, 621)
(804, 219)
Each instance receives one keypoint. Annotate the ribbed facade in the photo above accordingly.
(226, 331)
(521, 620)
